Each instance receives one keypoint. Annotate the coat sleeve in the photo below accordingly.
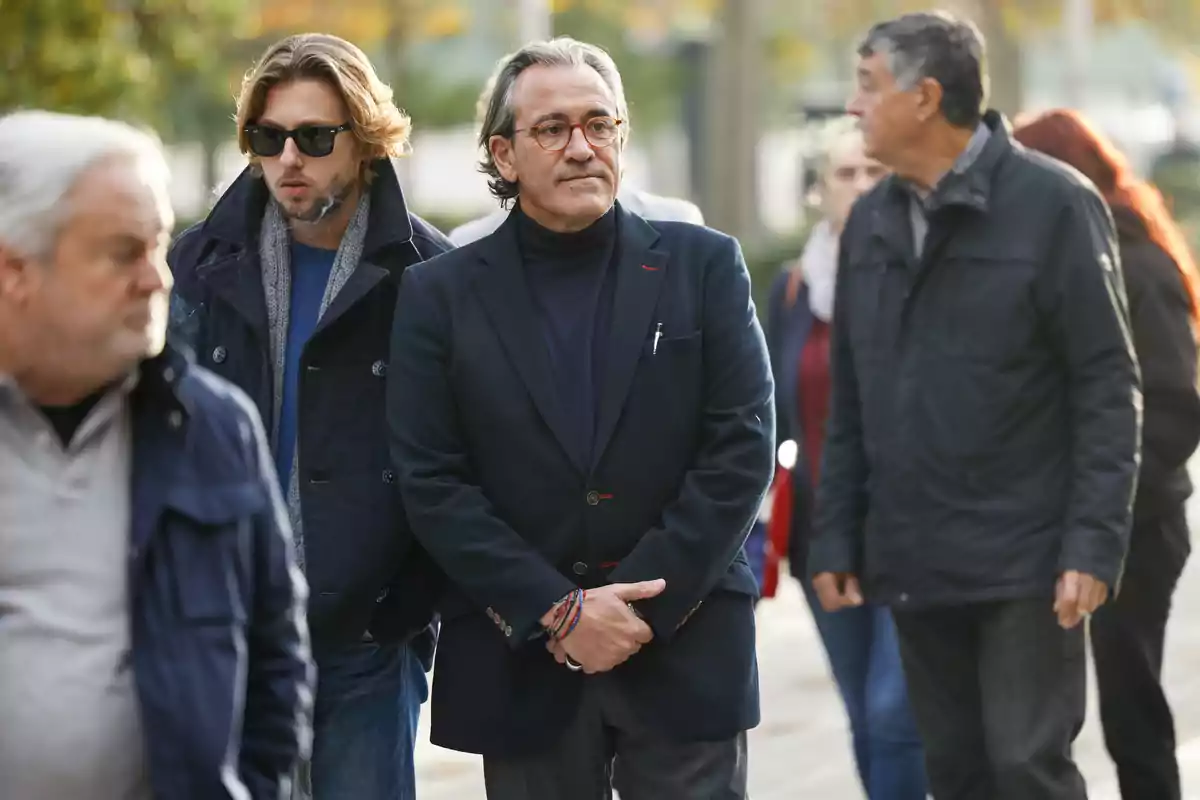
(1086, 314)
(448, 511)
(280, 677)
(1161, 315)
(841, 503)
(704, 528)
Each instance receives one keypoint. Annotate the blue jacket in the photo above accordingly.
(220, 645)
(518, 517)
(362, 564)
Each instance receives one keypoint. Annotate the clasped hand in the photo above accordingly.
(608, 631)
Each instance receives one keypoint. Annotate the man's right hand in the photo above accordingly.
(837, 590)
(608, 631)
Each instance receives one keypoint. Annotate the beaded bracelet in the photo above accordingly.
(566, 614)
(574, 619)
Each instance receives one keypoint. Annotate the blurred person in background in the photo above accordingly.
(982, 446)
(860, 642)
(644, 204)
(1128, 634)
(152, 634)
(580, 411)
(288, 290)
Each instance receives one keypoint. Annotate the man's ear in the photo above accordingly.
(929, 99)
(14, 272)
(501, 148)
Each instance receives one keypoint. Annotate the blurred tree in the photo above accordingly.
(105, 57)
(393, 33)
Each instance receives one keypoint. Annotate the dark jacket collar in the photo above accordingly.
(159, 380)
(237, 216)
(971, 187)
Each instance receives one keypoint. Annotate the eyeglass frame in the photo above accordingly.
(571, 126)
(293, 134)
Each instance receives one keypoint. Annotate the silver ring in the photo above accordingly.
(573, 665)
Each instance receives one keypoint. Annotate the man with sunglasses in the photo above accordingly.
(580, 410)
(288, 289)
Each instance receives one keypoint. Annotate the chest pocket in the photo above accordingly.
(982, 305)
(207, 534)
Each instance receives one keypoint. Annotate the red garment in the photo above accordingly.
(812, 409)
(814, 395)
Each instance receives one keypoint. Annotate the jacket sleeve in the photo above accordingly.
(1161, 315)
(1086, 314)
(704, 528)
(446, 507)
(841, 502)
(280, 677)
(774, 332)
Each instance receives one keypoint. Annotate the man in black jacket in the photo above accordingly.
(580, 408)
(288, 290)
(983, 442)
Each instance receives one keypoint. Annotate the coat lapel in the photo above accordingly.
(506, 298)
(366, 276)
(640, 274)
(237, 281)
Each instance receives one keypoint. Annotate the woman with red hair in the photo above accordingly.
(1161, 283)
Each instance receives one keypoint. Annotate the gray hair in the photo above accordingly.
(500, 117)
(939, 46)
(42, 156)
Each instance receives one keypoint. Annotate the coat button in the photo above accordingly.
(389, 476)
(508, 631)
(219, 354)
(579, 568)
(379, 369)
(175, 419)
(593, 498)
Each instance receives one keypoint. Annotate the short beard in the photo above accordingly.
(324, 206)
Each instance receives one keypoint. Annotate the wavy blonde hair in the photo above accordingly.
(380, 127)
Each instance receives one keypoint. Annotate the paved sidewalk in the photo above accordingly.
(802, 750)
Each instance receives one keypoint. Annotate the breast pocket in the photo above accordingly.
(206, 535)
(673, 346)
(984, 307)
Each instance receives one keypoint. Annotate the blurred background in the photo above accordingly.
(728, 96)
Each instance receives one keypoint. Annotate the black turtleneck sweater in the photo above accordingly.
(572, 282)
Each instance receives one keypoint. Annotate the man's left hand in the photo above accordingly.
(1076, 596)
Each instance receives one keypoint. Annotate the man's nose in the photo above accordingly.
(155, 276)
(291, 155)
(578, 147)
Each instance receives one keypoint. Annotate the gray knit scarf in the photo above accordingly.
(275, 255)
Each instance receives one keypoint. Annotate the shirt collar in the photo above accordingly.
(965, 160)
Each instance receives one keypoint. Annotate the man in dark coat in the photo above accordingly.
(288, 290)
(581, 413)
(983, 441)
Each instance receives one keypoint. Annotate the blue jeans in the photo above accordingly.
(365, 718)
(864, 656)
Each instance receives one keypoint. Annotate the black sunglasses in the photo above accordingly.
(312, 140)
